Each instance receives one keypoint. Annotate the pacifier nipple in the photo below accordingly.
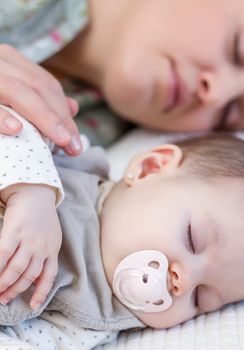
(140, 281)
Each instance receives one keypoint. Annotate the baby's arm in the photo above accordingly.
(31, 235)
(30, 241)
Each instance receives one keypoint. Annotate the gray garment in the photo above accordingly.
(80, 291)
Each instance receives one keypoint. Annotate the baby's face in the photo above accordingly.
(170, 62)
(199, 226)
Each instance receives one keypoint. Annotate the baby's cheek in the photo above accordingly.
(180, 311)
(207, 300)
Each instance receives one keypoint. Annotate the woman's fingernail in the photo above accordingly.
(74, 106)
(75, 144)
(11, 123)
(63, 133)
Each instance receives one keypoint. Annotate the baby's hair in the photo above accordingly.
(213, 156)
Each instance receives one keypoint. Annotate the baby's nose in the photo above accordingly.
(180, 281)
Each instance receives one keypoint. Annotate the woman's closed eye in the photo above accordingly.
(225, 115)
(238, 57)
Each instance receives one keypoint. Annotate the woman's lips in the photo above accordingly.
(175, 90)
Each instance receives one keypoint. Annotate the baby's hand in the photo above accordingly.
(30, 242)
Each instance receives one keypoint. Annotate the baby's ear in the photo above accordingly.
(164, 159)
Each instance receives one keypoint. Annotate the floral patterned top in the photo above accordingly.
(40, 28)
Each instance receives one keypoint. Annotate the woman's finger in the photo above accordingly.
(36, 110)
(73, 105)
(8, 123)
(33, 75)
(57, 123)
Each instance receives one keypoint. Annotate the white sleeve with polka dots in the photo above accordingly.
(26, 158)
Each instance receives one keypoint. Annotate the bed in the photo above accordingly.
(223, 329)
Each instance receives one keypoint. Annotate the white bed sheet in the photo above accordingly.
(220, 330)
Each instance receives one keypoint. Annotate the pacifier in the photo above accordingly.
(140, 281)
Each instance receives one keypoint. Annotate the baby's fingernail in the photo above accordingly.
(63, 133)
(11, 123)
(75, 144)
(4, 301)
(35, 306)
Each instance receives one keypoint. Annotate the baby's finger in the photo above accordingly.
(25, 280)
(44, 283)
(15, 268)
(8, 123)
(8, 246)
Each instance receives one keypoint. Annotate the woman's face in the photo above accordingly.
(179, 65)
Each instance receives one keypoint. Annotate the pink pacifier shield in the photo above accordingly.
(140, 281)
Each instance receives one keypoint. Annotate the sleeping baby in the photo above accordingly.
(161, 246)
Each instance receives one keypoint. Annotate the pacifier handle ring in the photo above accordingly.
(140, 281)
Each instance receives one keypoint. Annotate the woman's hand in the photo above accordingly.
(35, 93)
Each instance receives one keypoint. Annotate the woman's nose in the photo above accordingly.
(181, 280)
(207, 89)
(216, 88)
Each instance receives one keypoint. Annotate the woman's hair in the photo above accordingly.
(213, 156)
